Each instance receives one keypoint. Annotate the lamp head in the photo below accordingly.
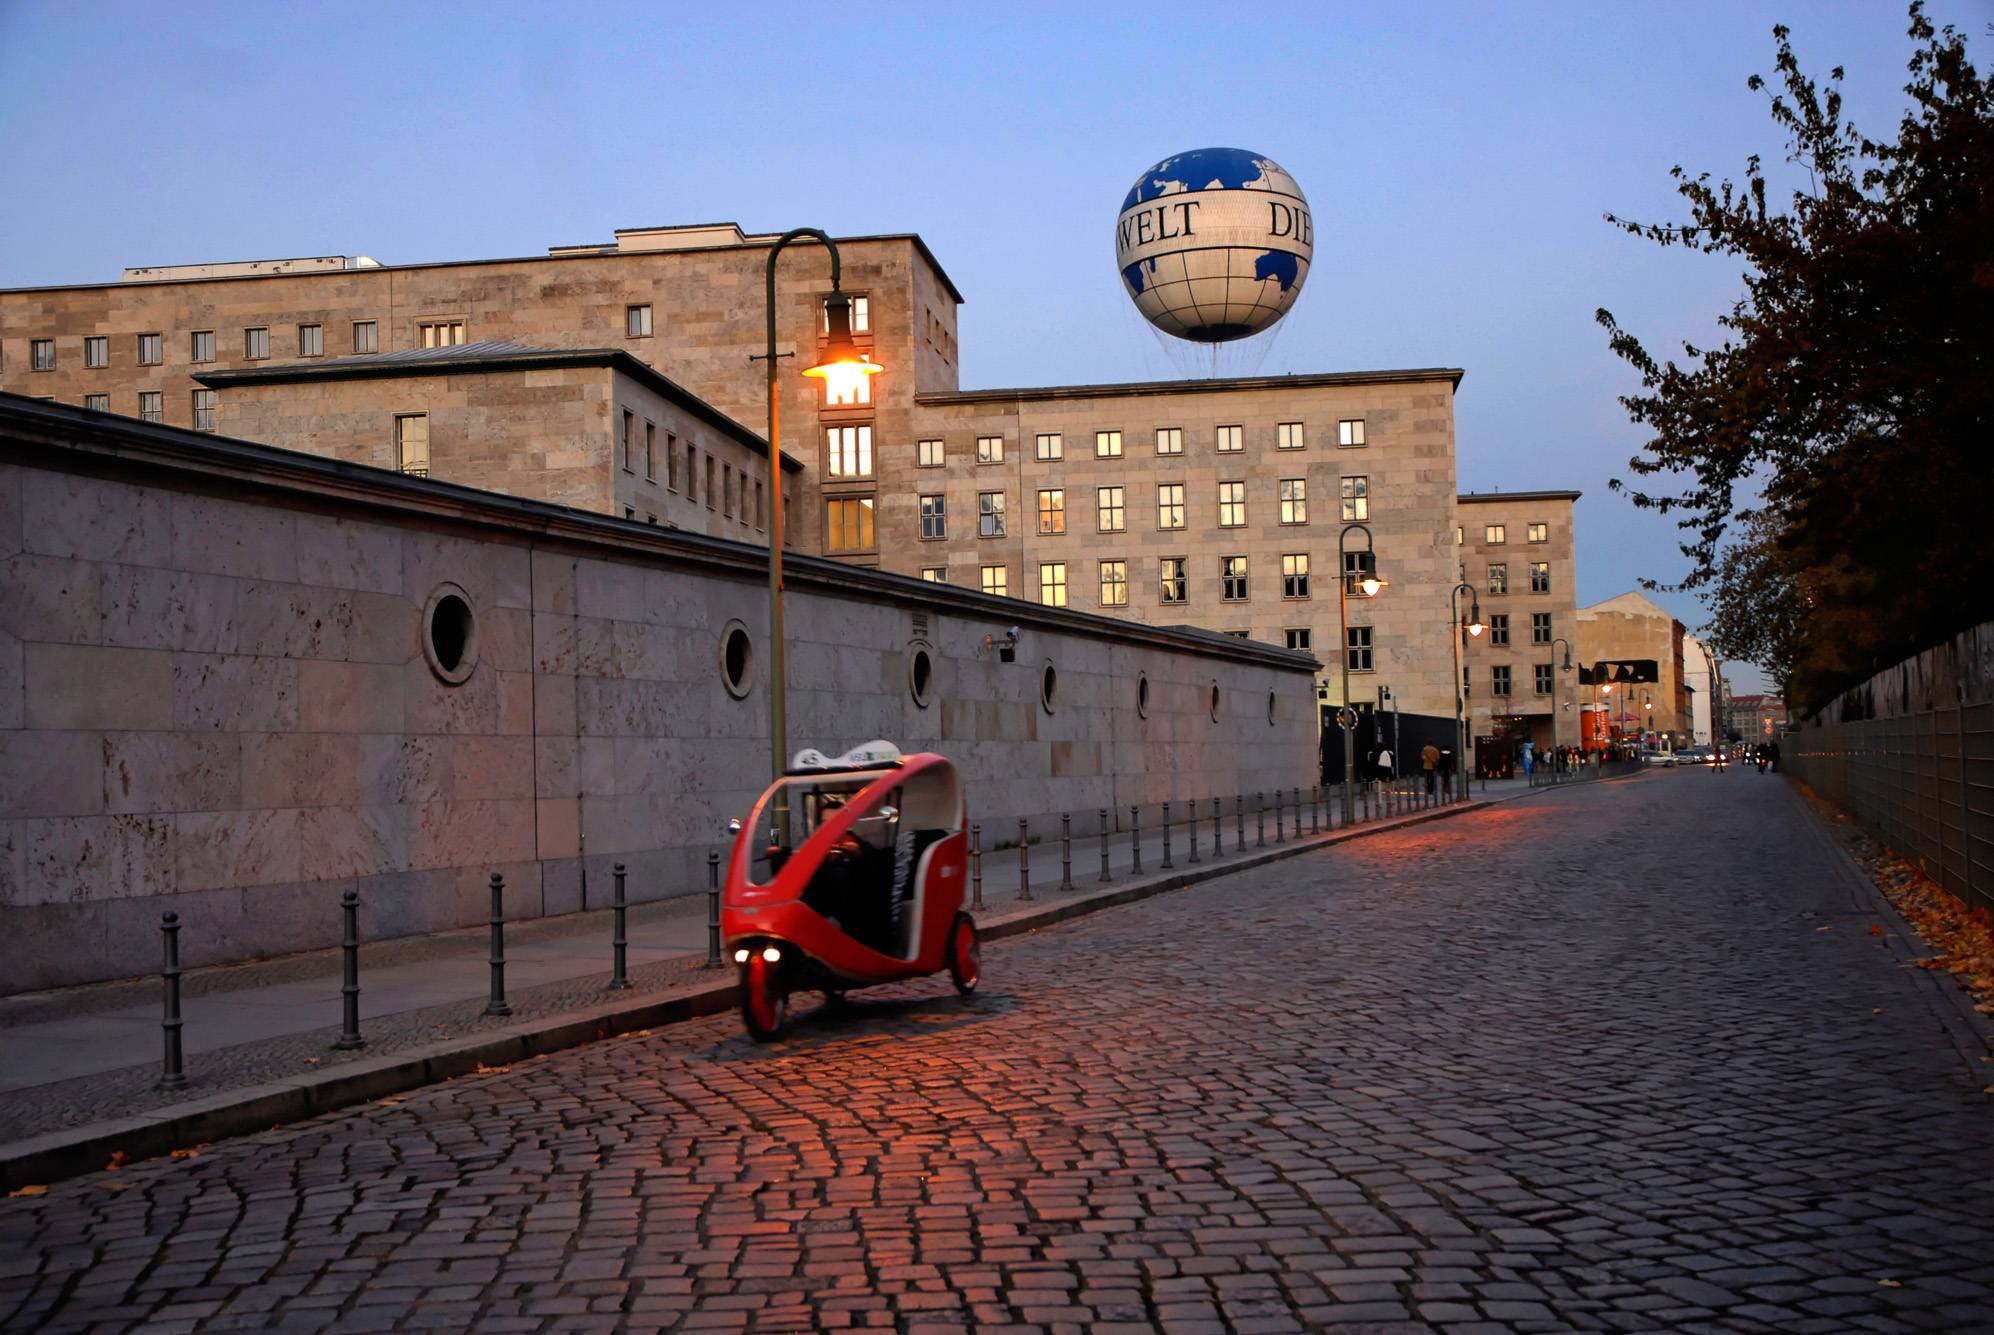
(843, 365)
(1370, 584)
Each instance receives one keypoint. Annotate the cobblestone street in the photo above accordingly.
(1623, 1056)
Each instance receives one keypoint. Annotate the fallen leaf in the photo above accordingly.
(491, 1070)
(36, 1190)
(186, 1154)
(1891, 1283)
(117, 1186)
(1829, 928)
(1874, 930)
(1877, 1011)
(389, 1103)
(311, 1061)
(118, 1160)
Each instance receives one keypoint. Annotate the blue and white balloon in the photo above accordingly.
(1215, 244)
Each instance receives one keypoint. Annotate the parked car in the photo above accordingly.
(1652, 756)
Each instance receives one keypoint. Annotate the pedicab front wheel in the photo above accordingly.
(965, 954)
(764, 1001)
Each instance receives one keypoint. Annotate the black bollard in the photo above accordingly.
(497, 1005)
(1066, 850)
(1260, 820)
(1298, 813)
(171, 1076)
(976, 866)
(1135, 839)
(1240, 814)
(1024, 862)
(619, 939)
(1218, 827)
(1192, 826)
(712, 912)
(1315, 810)
(1105, 877)
(349, 998)
(1280, 825)
(1167, 863)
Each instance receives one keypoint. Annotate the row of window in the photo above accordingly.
(725, 489)
(152, 407)
(1543, 676)
(1111, 508)
(150, 349)
(1496, 535)
(1540, 577)
(1050, 446)
(1498, 629)
(1173, 572)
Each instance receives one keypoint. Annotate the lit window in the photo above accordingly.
(990, 514)
(412, 444)
(1498, 628)
(366, 336)
(1114, 583)
(1498, 579)
(851, 394)
(637, 321)
(1051, 446)
(443, 334)
(97, 403)
(1108, 508)
(1294, 500)
(1499, 680)
(1052, 511)
(1357, 648)
(1232, 439)
(990, 449)
(1540, 576)
(1540, 627)
(1542, 672)
(1350, 432)
(1170, 440)
(929, 453)
(861, 315)
(96, 353)
(1052, 584)
(1233, 578)
(1299, 639)
(1458, 538)
(311, 340)
(850, 452)
(151, 350)
(256, 344)
(1538, 532)
(204, 410)
(1495, 535)
(935, 574)
(201, 345)
(1170, 505)
(41, 354)
(1107, 444)
(1356, 499)
(934, 517)
(848, 525)
(152, 407)
(1171, 572)
(629, 445)
(1288, 436)
(994, 580)
(1295, 575)
(1232, 504)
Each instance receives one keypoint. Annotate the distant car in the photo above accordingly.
(1651, 756)
(1696, 755)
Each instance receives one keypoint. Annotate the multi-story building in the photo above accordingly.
(584, 376)
(1517, 552)
(1632, 629)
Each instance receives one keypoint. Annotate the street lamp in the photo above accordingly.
(1566, 666)
(843, 367)
(1474, 626)
(1363, 574)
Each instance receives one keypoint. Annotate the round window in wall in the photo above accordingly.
(920, 673)
(1215, 702)
(450, 633)
(737, 660)
(1270, 709)
(1142, 695)
(1048, 685)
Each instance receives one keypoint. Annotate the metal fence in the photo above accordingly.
(1551, 775)
(1923, 783)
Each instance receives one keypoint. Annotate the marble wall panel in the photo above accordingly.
(82, 686)
(151, 771)
(52, 599)
(95, 520)
(234, 693)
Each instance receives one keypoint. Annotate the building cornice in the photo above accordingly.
(386, 367)
(1493, 497)
(77, 440)
(1145, 388)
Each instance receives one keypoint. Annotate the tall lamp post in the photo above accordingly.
(1363, 574)
(1566, 666)
(842, 368)
(1473, 626)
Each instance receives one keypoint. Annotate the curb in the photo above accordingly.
(55, 1155)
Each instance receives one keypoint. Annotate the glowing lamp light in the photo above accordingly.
(1371, 584)
(844, 367)
(740, 957)
(771, 954)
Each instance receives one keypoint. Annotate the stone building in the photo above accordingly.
(1517, 552)
(1632, 628)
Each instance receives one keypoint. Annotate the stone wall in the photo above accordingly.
(219, 695)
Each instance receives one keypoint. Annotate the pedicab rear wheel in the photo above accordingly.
(764, 1000)
(965, 954)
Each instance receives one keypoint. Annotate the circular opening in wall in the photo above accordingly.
(737, 659)
(1215, 702)
(921, 674)
(1142, 696)
(450, 634)
(1048, 683)
(1270, 709)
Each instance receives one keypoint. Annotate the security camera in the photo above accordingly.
(1012, 633)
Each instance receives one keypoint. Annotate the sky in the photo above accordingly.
(1457, 159)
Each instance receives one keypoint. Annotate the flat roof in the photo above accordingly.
(486, 358)
(1140, 388)
(1491, 497)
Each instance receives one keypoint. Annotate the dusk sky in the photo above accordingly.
(1457, 160)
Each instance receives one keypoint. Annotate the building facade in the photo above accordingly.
(1519, 676)
(1631, 628)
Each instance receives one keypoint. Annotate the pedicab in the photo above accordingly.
(849, 873)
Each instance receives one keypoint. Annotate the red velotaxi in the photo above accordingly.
(849, 872)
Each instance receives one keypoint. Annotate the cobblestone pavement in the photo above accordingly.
(1619, 1057)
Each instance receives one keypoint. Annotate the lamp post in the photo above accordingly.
(1364, 576)
(841, 369)
(1473, 626)
(1566, 666)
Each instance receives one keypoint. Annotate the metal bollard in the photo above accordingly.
(1135, 839)
(976, 867)
(1192, 826)
(1167, 863)
(1298, 813)
(1105, 878)
(712, 910)
(1315, 809)
(1260, 820)
(497, 1005)
(171, 1076)
(1218, 828)
(1241, 815)
(1280, 825)
(349, 999)
(619, 939)
(1066, 850)
(1024, 863)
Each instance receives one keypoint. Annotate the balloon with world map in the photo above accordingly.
(1214, 245)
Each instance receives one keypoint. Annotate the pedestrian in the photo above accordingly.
(1429, 760)
(1772, 754)
(1759, 755)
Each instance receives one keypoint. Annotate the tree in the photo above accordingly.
(1853, 391)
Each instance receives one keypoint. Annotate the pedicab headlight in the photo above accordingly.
(740, 957)
(771, 954)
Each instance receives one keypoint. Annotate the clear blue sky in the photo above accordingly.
(1457, 159)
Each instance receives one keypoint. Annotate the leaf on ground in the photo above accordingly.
(118, 1160)
(1874, 930)
(35, 1190)
(186, 1154)
(1891, 1283)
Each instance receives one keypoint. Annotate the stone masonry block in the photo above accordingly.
(52, 599)
(83, 686)
(234, 693)
(95, 520)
